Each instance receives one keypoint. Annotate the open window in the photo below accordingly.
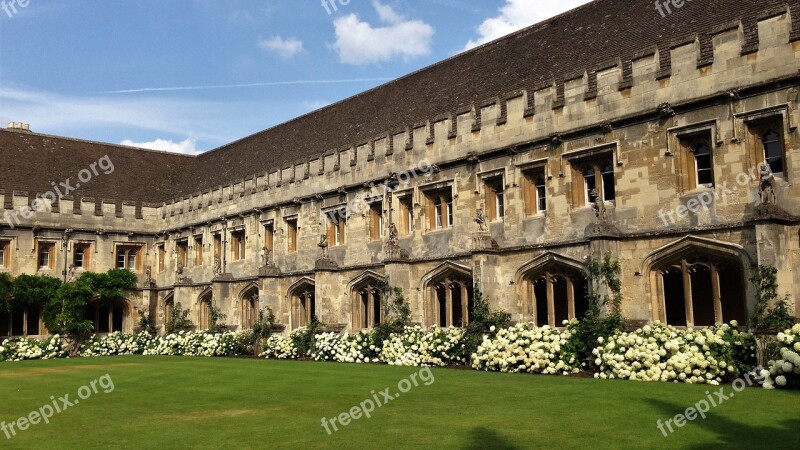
(766, 144)
(81, 255)
(376, 221)
(238, 245)
(291, 234)
(269, 236)
(129, 257)
(162, 257)
(337, 222)
(5, 254)
(406, 215)
(46, 255)
(592, 178)
(534, 191)
(198, 251)
(182, 249)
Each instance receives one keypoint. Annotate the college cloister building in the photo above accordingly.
(610, 129)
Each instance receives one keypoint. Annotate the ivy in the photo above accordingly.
(771, 313)
(482, 322)
(216, 317)
(178, 319)
(34, 290)
(396, 313)
(6, 286)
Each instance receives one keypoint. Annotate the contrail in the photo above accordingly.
(234, 86)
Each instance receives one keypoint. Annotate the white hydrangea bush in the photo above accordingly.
(280, 347)
(419, 347)
(182, 343)
(27, 348)
(526, 348)
(661, 352)
(346, 348)
(785, 372)
(116, 343)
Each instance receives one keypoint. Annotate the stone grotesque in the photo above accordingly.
(766, 187)
(393, 235)
(323, 245)
(599, 206)
(217, 266)
(481, 220)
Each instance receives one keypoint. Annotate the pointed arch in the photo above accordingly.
(205, 301)
(110, 315)
(552, 288)
(168, 306)
(697, 281)
(365, 300)
(448, 294)
(248, 306)
(302, 302)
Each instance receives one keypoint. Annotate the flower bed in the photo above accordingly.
(418, 347)
(785, 372)
(22, 348)
(280, 347)
(660, 352)
(198, 343)
(528, 349)
(350, 348)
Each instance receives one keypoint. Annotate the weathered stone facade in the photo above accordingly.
(655, 143)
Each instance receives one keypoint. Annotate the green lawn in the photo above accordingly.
(161, 402)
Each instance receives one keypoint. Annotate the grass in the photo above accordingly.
(162, 402)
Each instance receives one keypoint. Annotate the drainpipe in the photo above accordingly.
(65, 245)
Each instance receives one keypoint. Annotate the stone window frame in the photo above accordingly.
(752, 120)
(406, 210)
(439, 191)
(680, 143)
(363, 317)
(377, 220)
(238, 243)
(182, 252)
(52, 254)
(128, 247)
(161, 253)
(578, 159)
(529, 173)
(25, 309)
(268, 227)
(197, 244)
(292, 223)
(5, 253)
(336, 224)
(494, 186)
(87, 246)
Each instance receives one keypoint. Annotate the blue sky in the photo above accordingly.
(190, 75)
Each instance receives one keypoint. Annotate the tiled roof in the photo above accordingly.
(583, 39)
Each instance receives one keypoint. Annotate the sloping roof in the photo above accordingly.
(582, 39)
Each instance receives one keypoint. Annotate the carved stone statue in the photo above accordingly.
(71, 273)
(766, 187)
(267, 262)
(481, 220)
(179, 273)
(323, 245)
(393, 235)
(148, 276)
(599, 206)
(217, 266)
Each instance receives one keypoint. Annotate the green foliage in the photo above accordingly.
(6, 285)
(481, 323)
(146, 323)
(771, 313)
(304, 338)
(266, 324)
(178, 319)
(216, 317)
(34, 290)
(396, 313)
(110, 285)
(597, 322)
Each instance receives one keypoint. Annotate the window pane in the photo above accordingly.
(132, 261)
(589, 183)
(501, 207)
(120, 259)
(449, 213)
(541, 196)
(609, 193)
(773, 151)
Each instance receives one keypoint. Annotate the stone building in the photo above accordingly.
(610, 129)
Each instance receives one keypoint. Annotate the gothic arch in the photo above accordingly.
(205, 302)
(552, 288)
(302, 302)
(448, 295)
(110, 315)
(698, 282)
(168, 306)
(365, 300)
(248, 306)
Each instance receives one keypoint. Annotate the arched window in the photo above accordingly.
(366, 303)
(303, 304)
(449, 299)
(698, 282)
(248, 307)
(553, 292)
(701, 289)
(108, 316)
(21, 321)
(169, 307)
(205, 303)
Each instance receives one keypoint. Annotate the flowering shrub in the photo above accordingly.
(351, 348)
(660, 352)
(527, 348)
(786, 370)
(20, 349)
(417, 347)
(198, 343)
(280, 347)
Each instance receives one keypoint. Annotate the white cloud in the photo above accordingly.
(360, 43)
(285, 48)
(187, 146)
(518, 14)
